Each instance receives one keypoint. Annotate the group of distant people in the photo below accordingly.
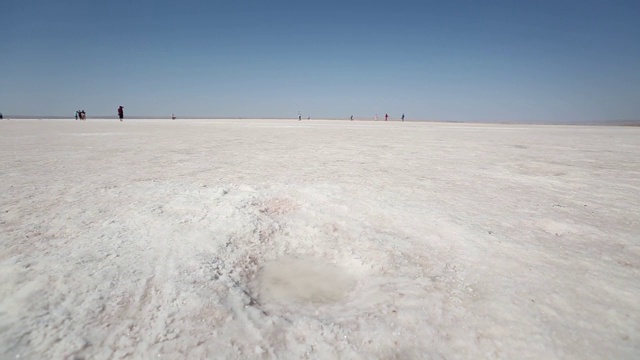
(81, 115)
(386, 117)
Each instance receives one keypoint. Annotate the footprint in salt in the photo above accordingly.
(303, 280)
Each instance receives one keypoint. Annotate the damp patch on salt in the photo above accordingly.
(303, 280)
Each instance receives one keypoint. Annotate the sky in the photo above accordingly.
(456, 60)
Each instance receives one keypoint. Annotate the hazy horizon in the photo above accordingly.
(633, 122)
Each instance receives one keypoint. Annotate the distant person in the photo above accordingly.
(76, 115)
(308, 117)
(299, 116)
(351, 117)
(402, 117)
(83, 115)
(1, 116)
(121, 112)
(386, 117)
(173, 116)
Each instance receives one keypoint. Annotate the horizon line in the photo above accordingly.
(521, 122)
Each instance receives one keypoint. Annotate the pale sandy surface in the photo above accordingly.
(312, 239)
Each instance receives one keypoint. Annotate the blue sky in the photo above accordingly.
(439, 60)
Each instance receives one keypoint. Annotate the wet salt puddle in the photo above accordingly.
(303, 280)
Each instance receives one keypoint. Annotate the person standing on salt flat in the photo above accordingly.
(402, 117)
(351, 117)
(386, 117)
(173, 116)
(121, 112)
(76, 115)
(299, 116)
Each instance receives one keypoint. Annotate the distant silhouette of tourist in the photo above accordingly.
(1, 116)
(386, 117)
(351, 117)
(402, 117)
(83, 115)
(121, 112)
(76, 114)
(173, 116)
(299, 116)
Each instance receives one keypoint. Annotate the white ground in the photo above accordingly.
(319, 239)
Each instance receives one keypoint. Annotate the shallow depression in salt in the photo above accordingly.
(303, 280)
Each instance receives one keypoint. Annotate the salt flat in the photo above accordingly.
(318, 239)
